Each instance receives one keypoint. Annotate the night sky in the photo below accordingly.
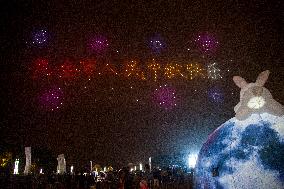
(115, 119)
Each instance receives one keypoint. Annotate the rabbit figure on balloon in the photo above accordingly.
(255, 98)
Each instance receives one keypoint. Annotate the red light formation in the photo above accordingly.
(88, 67)
(68, 70)
(41, 68)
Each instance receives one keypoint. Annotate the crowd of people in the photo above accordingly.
(125, 178)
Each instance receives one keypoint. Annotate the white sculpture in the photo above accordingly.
(254, 98)
(61, 167)
(28, 160)
(16, 168)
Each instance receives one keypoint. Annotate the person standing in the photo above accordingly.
(121, 179)
(143, 183)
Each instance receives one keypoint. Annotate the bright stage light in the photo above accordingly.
(192, 158)
(71, 169)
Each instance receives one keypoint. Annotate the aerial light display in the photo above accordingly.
(88, 67)
(41, 68)
(40, 38)
(157, 44)
(215, 95)
(165, 97)
(154, 68)
(98, 44)
(213, 71)
(194, 70)
(108, 69)
(132, 70)
(51, 99)
(207, 43)
(173, 71)
(68, 70)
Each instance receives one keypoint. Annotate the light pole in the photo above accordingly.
(91, 162)
(141, 167)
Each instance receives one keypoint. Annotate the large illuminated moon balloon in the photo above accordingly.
(247, 151)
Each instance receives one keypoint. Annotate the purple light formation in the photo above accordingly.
(40, 37)
(207, 43)
(156, 44)
(98, 44)
(215, 95)
(165, 97)
(51, 99)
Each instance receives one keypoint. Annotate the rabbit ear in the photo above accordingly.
(262, 78)
(239, 81)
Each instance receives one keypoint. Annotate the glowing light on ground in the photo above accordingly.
(192, 159)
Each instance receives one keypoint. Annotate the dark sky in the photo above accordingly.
(109, 126)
